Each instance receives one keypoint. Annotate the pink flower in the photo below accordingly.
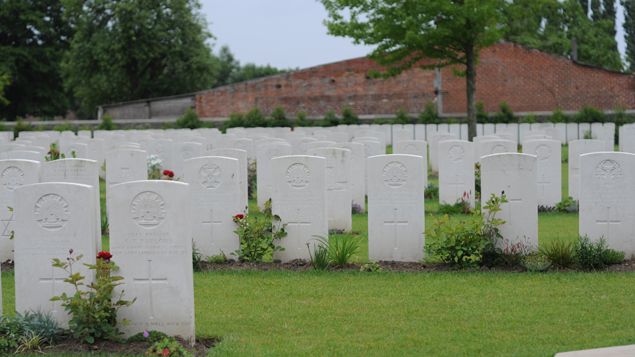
(165, 352)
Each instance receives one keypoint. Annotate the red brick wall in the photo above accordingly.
(528, 80)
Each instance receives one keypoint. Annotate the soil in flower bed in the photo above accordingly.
(301, 265)
(71, 347)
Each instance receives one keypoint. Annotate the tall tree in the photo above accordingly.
(629, 32)
(406, 32)
(131, 49)
(33, 38)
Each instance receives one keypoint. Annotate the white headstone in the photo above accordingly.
(549, 170)
(414, 147)
(13, 174)
(606, 199)
(243, 173)
(577, 148)
(151, 241)
(358, 173)
(299, 199)
(82, 171)
(498, 146)
(396, 223)
(51, 219)
(434, 152)
(339, 198)
(216, 198)
(456, 172)
(514, 175)
(263, 160)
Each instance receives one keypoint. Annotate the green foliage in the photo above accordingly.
(65, 127)
(349, 117)
(587, 135)
(228, 70)
(459, 243)
(254, 118)
(258, 235)
(371, 267)
(561, 254)
(567, 205)
(189, 120)
(559, 117)
(167, 346)
(590, 115)
(596, 255)
(342, 249)
(34, 37)
(27, 332)
(301, 120)
(505, 114)
(481, 114)
(535, 262)
(331, 119)
(252, 181)
(54, 153)
(147, 336)
(236, 120)
(319, 253)
(125, 50)
(403, 118)
(429, 114)
(530, 119)
(431, 192)
(279, 118)
(106, 123)
(461, 206)
(93, 306)
(197, 258)
(217, 259)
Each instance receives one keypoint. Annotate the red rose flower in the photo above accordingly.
(168, 173)
(239, 216)
(104, 255)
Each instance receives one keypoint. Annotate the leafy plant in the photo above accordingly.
(596, 255)
(561, 254)
(27, 332)
(254, 119)
(402, 117)
(331, 119)
(154, 167)
(512, 254)
(167, 346)
(92, 307)
(349, 117)
(319, 255)
(356, 208)
(429, 114)
(559, 117)
(301, 120)
(217, 259)
(431, 192)
(258, 235)
(189, 120)
(567, 205)
(505, 114)
(279, 118)
(535, 262)
(588, 134)
(29, 342)
(54, 153)
(342, 249)
(371, 267)
(590, 115)
(197, 258)
(252, 181)
(461, 206)
(106, 123)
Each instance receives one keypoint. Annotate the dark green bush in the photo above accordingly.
(189, 120)
(402, 117)
(301, 120)
(481, 114)
(596, 255)
(65, 127)
(429, 114)
(505, 114)
(561, 254)
(279, 118)
(590, 115)
(559, 117)
(567, 205)
(460, 207)
(106, 123)
(254, 119)
(330, 119)
(236, 120)
(349, 117)
(431, 192)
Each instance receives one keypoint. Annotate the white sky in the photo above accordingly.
(289, 33)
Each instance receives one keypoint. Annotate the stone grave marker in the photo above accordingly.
(456, 172)
(415, 147)
(243, 171)
(577, 148)
(263, 168)
(549, 170)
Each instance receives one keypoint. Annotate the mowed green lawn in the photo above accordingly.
(426, 314)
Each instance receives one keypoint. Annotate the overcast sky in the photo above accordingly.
(286, 33)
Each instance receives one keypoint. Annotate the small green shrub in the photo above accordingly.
(349, 117)
(559, 117)
(254, 119)
(92, 308)
(588, 134)
(567, 205)
(458, 243)
(481, 114)
(330, 119)
(319, 255)
(279, 118)
(432, 192)
(106, 123)
(236, 120)
(217, 259)
(197, 258)
(403, 118)
(301, 120)
(596, 255)
(27, 332)
(590, 115)
(561, 254)
(505, 114)
(371, 267)
(535, 262)
(189, 120)
(461, 206)
(529, 119)
(258, 235)
(429, 114)
(65, 127)
(54, 153)
(167, 346)
(342, 249)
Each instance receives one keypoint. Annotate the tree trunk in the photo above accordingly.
(470, 79)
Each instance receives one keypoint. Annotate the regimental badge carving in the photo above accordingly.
(395, 174)
(148, 209)
(298, 175)
(456, 153)
(210, 175)
(12, 177)
(51, 211)
(608, 170)
(543, 152)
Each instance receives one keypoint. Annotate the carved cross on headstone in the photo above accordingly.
(5, 222)
(513, 202)
(210, 219)
(395, 222)
(150, 280)
(543, 182)
(53, 280)
(608, 222)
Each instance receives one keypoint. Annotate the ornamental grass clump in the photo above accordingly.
(93, 306)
